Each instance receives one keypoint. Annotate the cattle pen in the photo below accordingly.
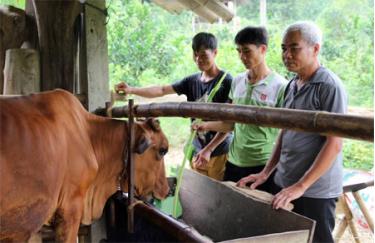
(65, 45)
(329, 124)
(211, 211)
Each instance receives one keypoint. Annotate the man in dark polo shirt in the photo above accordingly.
(210, 148)
(308, 165)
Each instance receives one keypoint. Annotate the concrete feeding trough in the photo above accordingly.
(212, 212)
(222, 213)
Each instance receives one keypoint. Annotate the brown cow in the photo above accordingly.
(59, 164)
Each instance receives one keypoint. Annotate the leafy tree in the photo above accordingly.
(148, 46)
(348, 47)
(16, 3)
(138, 41)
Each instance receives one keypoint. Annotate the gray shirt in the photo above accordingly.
(323, 92)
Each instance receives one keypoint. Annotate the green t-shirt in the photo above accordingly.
(252, 145)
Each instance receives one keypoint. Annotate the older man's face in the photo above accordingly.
(297, 54)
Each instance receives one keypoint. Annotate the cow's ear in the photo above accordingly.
(154, 124)
(141, 144)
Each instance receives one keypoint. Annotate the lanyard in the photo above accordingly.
(189, 149)
(216, 88)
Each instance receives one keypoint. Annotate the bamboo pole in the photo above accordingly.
(325, 123)
(130, 168)
(364, 210)
(347, 221)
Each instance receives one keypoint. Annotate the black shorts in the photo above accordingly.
(321, 210)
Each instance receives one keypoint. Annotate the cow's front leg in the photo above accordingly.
(67, 221)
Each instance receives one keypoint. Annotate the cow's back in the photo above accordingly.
(40, 136)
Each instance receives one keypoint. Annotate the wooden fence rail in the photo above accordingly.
(325, 123)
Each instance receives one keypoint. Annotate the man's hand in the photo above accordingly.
(122, 88)
(256, 179)
(199, 126)
(202, 158)
(287, 195)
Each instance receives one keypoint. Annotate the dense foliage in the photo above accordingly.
(148, 45)
(146, 40)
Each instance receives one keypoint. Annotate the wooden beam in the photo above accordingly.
(96, 51)
(364, 210)
(129, 165)
(13, 32)
(21, 71)
(255, 194)
(55, 22)
(325, 123)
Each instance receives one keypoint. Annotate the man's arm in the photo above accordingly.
(217, 126)
(322, 163)
(147, 92)
(261, 177)
(204, 155)
(218, 139)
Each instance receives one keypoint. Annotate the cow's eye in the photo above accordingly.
(163, 151)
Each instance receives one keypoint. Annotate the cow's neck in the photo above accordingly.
(108, 141)
(108, 138)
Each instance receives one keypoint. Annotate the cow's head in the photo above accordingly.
(150, 147)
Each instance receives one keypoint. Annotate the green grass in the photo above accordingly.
(16, 3)
(176, 129)
(358, 154)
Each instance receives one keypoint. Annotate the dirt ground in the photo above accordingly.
(365, 235)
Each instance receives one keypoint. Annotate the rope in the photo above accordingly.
(189, 149)
(135, 203)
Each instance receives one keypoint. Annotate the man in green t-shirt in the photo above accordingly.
(257, 86)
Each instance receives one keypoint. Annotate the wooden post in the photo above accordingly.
(340, 229)
(21, 72)
(347, 220)
(55, 22)
(263, 12)
(12, 29)
(96, 49)
(130, 168)
(364, 210)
